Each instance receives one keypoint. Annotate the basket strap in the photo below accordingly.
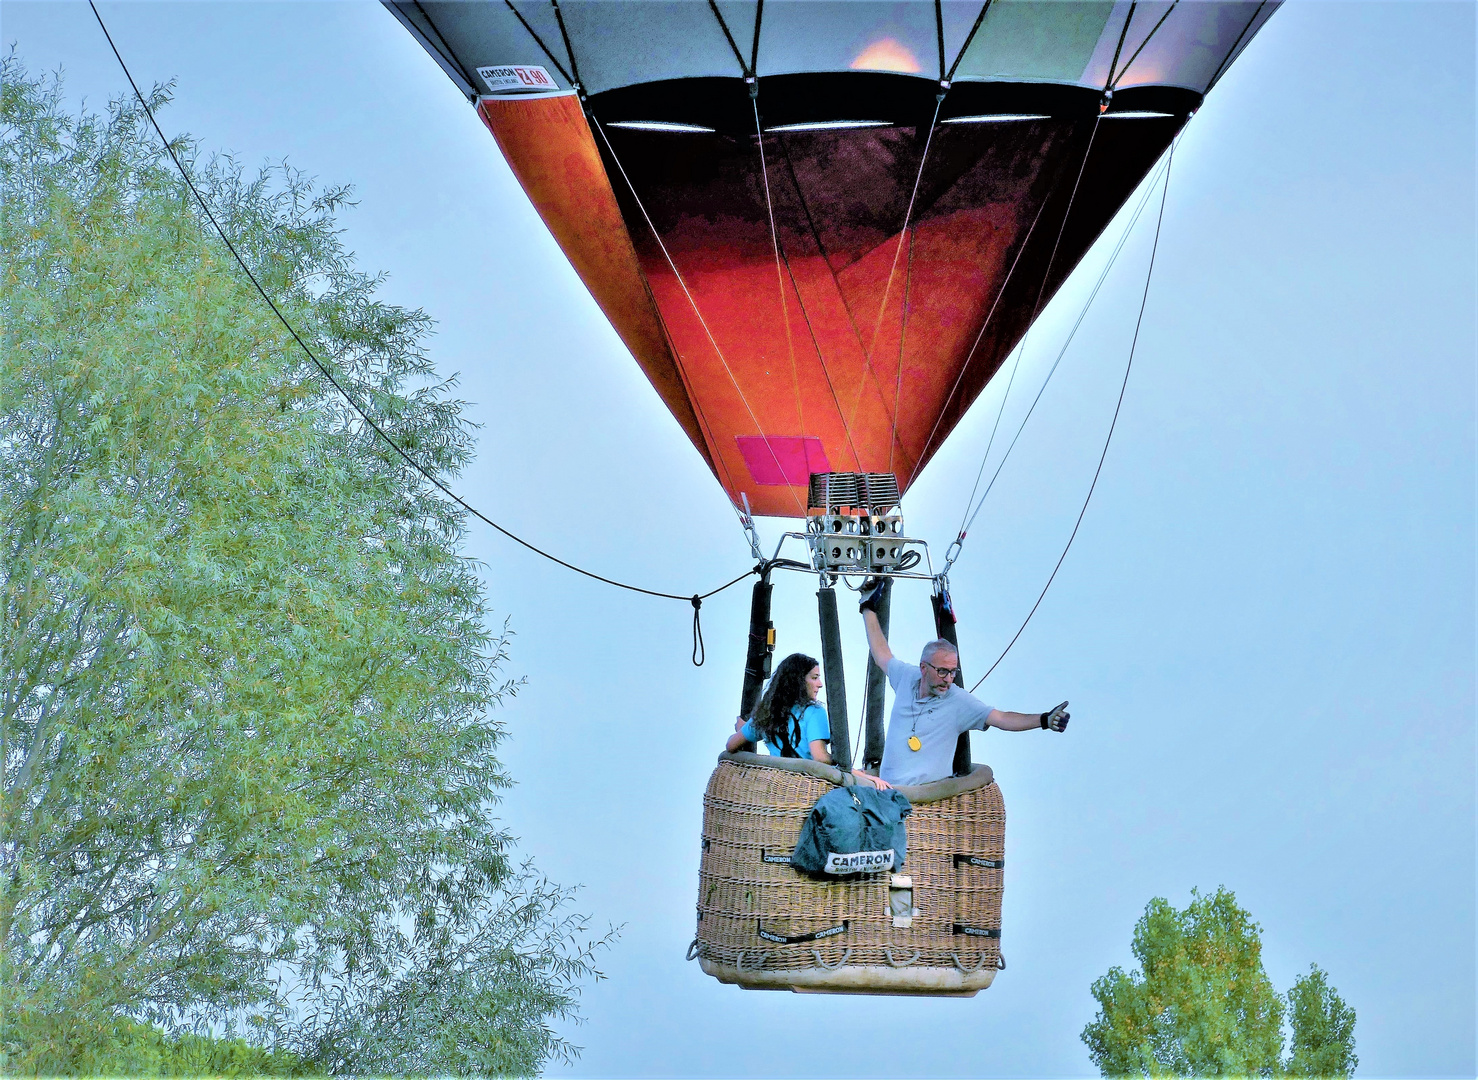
(774, 857)
(976, 860)
(977, 931)
(796, 939)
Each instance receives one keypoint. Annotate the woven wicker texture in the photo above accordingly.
(751, 812)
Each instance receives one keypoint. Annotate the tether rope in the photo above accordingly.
(599, 127)
(695, 599)
(1123, 386)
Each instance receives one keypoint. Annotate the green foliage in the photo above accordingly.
(249, 765)
(130, 1048)
(1323, 1028)
(1201, 1005)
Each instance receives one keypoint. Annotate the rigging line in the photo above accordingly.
(540, 42)
(328, 374)
(444, 49)
(1083, 314)
(816, 344)
(717, 14)
(1113, 64)
(1235, 46)
(1114, 79)
(967, 518)
(754, 55)
(1128, 367)
(693, 301)
(836, 282)
(907, 217)
(970, 37)
(986, 323)
(1046, 276)
(559, 17)
(902, 339)
(718, 461)
(939, 32)
(795, 377)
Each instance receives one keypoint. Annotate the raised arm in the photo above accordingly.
(877, 643)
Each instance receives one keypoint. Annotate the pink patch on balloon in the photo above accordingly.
(783, 459)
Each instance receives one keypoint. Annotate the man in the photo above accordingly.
(929, 711)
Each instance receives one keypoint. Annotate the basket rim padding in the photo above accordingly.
(979, 776)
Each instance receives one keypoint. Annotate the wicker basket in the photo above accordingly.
(752, 815)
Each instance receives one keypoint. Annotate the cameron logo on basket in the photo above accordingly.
(859, 862)
(518, 78)
(796, 939)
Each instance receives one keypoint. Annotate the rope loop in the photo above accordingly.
(979, 963)
(914, 959)
(695, 949)
(758, 964)
(847, 955)
(700, 654)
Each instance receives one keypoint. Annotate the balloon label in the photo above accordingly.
(517, 79)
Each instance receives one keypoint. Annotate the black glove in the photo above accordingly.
(869, 594)
(1057, 719)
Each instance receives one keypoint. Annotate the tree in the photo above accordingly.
(1323, 1028)
(249, 766)
(1203, 1006)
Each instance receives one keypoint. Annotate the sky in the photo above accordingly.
(1265, 624)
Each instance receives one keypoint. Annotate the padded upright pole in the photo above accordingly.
(944, 627)
(836, 683)
(877, 681)
(761, 646)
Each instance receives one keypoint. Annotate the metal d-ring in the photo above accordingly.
(695, 950)
(979, 963)
(847, 955)
(914, 959)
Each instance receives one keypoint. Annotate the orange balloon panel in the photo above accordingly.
(824, 299)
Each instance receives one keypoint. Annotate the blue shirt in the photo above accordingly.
(805, 726)
(937, 722)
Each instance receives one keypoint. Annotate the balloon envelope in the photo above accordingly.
(820, 226)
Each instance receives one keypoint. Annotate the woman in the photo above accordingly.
(788, 718)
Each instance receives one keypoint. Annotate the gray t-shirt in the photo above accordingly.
(937, 721)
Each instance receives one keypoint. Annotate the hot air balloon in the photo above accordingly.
(820, 226)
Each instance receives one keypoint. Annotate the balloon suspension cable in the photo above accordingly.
(682, 284)
(783, 261)
(795, 377)
(1001, 292)
(907, 270)
(323, 369)
(1123, 386)
(968, 522)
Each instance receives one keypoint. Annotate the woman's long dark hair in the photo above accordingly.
(786, 690)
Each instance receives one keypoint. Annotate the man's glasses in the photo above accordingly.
(944, 672)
